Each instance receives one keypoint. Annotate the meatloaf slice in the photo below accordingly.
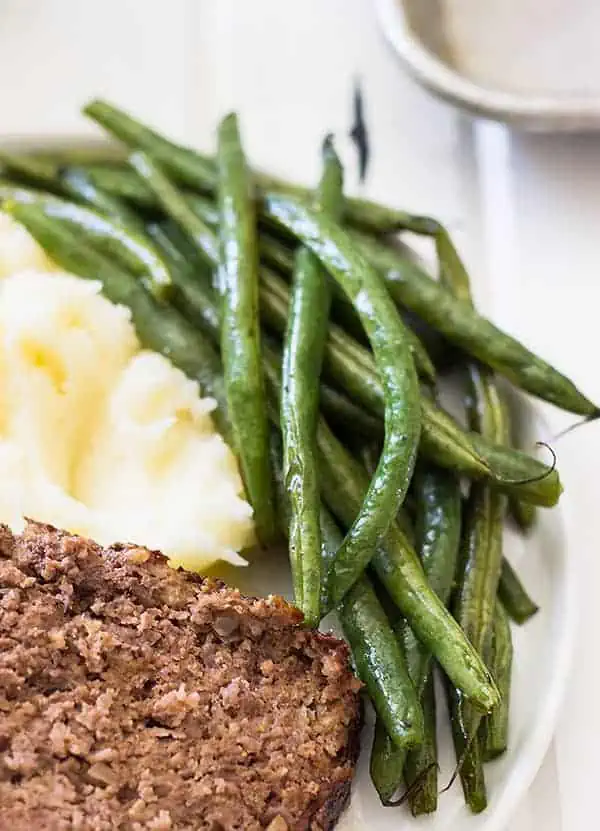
(140, 698)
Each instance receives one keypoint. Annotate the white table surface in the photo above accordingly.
(526, 209)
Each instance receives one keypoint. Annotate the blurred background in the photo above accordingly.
(525, 206)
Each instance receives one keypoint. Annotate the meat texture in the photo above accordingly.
(140, 698)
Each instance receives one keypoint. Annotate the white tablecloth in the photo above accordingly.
(526, 209)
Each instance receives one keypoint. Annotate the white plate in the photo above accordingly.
(543, 648)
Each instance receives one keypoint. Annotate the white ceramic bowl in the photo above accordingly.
(416, 30)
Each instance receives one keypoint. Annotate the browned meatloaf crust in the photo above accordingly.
(140, 698)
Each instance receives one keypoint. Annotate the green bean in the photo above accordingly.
(343, 359)
(191, 293)
(380, 664)
(331, 539)
(438, 505)
(452, 272)
(386, 773)
(438, 520)
(343, 482)
(178, 250)
(198, 172)
(303, 348)
(368, 453)
(445, 444)
(438, 502)
(345, 415)
(277, 255)
(495, 726)
(442, 440)
(80, 187)
(185, 164)
(421, 768)
(196, 258)
(475, 596)
(514, 596)
(205, 209)
(282, 501)
(196, 301)
(518, 473)
(158, 327)
(393, 569)
(386, 334)
(473, 609)
(27, 170)
(460, 324)
(331, 536)
(477, 584)
(175, 205)
(469, 753)
(351, 366)
(522, 513)
(240, 335)
(122, 184)
(273, 252)
(133, 250)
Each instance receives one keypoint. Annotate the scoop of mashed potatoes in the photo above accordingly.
(102, 438)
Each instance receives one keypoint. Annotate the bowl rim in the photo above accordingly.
(543, 113)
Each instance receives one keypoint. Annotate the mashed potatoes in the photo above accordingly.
(100, 437)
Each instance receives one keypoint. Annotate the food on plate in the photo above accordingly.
(302, 360)
(323, 340)
(137, 696)
(240, 332)
(97, 436)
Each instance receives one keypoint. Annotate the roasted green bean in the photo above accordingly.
(240, 334)
(386, 334)
(130, 247)
(351, 366)
(303, 348)
(514, 596)
(469, 755)
(31, 171)
(344, 482)
(380, 664)
(438, 506)
(421, 768)
(477, 578)
(461, 325)
(198, 172)
(495, 726)
(78, 184)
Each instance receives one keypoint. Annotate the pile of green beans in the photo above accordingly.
(288, 306)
